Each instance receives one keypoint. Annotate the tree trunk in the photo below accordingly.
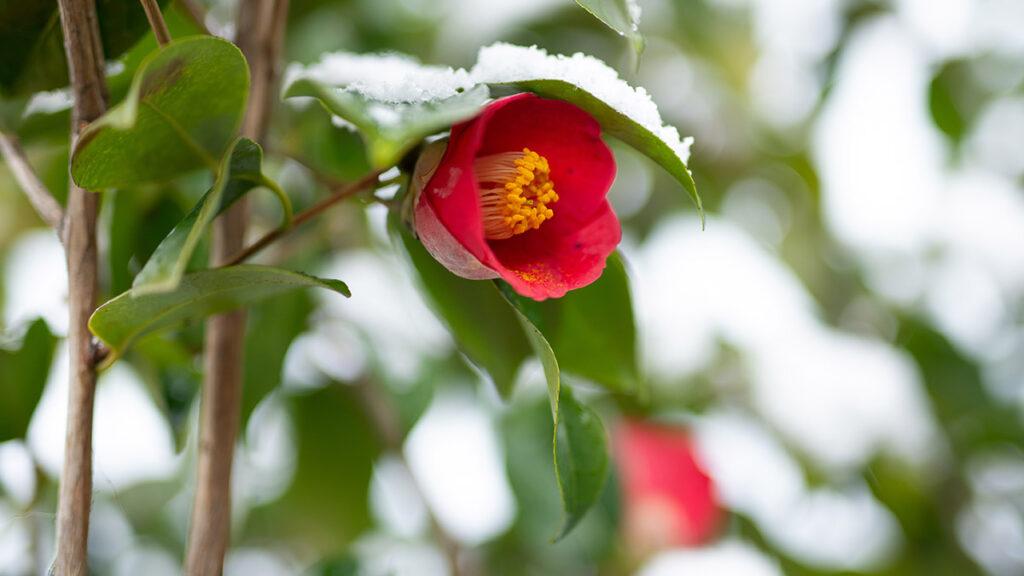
(85, 67)
(261, 26)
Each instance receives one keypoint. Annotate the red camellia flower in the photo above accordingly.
(520, 194)
(669, 500)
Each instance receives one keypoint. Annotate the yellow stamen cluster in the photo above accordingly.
(515, 192)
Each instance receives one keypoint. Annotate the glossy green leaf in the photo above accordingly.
(32, 46)
(595, 336)
(622, 127)
(139, 221)
(581, 458)
(592, 329)
(580, 444)
(120, 321)
(483, 326)
(23, 374)
(239, 172)
(623, 16)
(182, 111)
(391, 129)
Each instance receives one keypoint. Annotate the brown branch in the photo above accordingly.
(156, 21)
(84, 54)
(261, 25)
(306, 215)
(41, 199)
(195, 13)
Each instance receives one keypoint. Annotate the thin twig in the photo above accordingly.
(84, 53)
(384, 418)
(156, 21)
(41, 199)
(195, 13)
(306, 215)
(261, 27)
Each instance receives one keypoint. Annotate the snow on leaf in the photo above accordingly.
(392, 100)
(391, 78)
(502, 63)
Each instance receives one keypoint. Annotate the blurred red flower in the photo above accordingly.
(669, 500)
(520, 194)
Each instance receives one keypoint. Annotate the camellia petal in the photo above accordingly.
(550, 261)
(550, 229)
(670, 500)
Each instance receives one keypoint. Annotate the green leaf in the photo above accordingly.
(32, 46)
(139, 221)
(338, 153)
(326, 504)
(955, 99)
(391, 129)
(592, 329)
(580, 444)
(974, 419)
(581, 458)
(182, 111)
(617, 15)
(344, 565)
(120, 321)
(269, 332)
(526, 430)
(167, 364)
(23, 374)
(595, 336)
(239, 172)
(483, 326)
(622, 127)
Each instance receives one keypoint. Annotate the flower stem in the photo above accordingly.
(286, 202)
(364, 183)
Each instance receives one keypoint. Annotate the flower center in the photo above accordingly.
(515, 192)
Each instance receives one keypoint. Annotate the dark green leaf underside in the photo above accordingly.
(389, 129)
(482, 324)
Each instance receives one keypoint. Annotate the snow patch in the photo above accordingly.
(391, 78)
